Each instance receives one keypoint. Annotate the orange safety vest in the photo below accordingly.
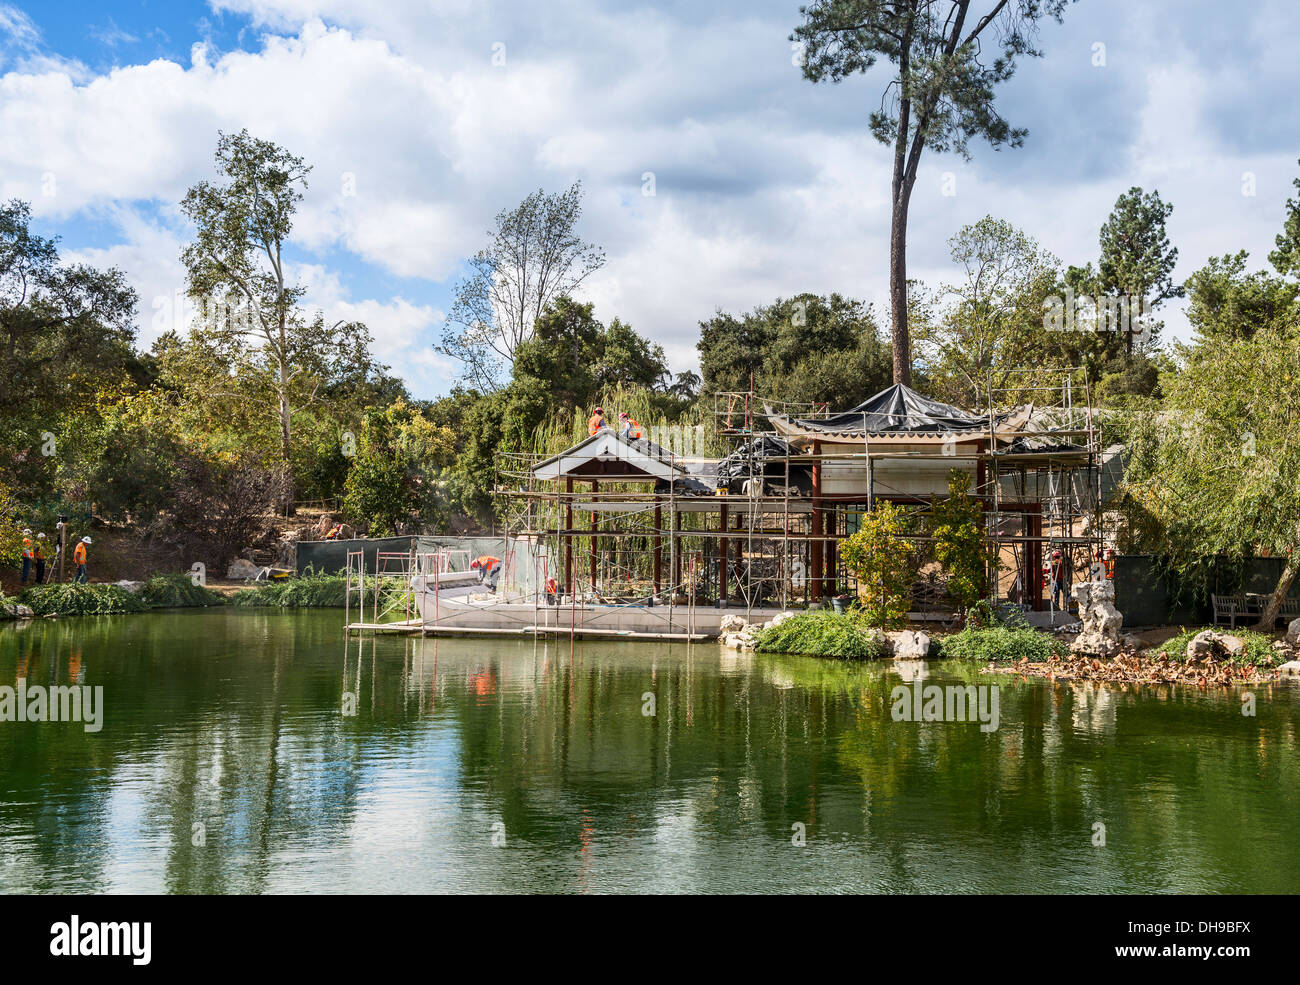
(1110, 567)
(595, 424)
(37, 553)
(633, 428)
(487, 562)
(27, 548)
(79, 554)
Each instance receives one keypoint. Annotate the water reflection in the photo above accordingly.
(262, 752)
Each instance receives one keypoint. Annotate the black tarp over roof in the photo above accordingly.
(899, 409)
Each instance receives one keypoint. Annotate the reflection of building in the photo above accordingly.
(626, 522)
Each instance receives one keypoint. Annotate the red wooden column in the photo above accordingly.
(593, 535)
(818, 565)
(722, 555)
(659, 549)
(568, 535)
(1034, 556)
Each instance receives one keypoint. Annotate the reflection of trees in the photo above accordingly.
(233, 719)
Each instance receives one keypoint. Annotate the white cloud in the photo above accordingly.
(765, 185)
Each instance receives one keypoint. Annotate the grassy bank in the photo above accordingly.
(159, 592)
(310, 591)
(1259, 646)
(824, 634)
(1002, 644)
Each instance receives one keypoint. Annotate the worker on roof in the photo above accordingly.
(489, 569)
(627, 426)
(38, 555)
(597, 421)
(79, 559)
(27, 556)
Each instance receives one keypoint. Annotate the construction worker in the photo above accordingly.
(628, 427)
(1060, 586)
(38, 555)
(552, 591)
(597, 421)
(489, 569)
(1109, 562)
(79, 559)
(27, 556)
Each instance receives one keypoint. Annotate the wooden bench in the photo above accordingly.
(1230, 607)
(1234, 607)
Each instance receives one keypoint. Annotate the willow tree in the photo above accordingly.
(948, 56)
(1216, 472)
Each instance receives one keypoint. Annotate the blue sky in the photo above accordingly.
(765, 184)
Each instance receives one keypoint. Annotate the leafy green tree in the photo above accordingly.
(961, 545)
(247, 306)
(66, 334)
(1286, 257)
(1225, 302)
(991, 323)
(1137, 262)
(801, 349)
(884, 563)
(390, 481)
(534, 256)
(1216, 471)
(940, 93)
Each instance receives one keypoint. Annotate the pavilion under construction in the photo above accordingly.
(634, 537)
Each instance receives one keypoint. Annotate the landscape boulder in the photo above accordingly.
(911, 645)
(241, 569)
(1290, 669)
(731, 624)
(1100, 622)
(1293, 632)
(1211, 646)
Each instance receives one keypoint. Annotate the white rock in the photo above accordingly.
(731, 624)
(130, 586)
(781, 617)
(24, 611)
(1290, 669)
(241, 569)
(1100, 621)
(911, 645)
(1293, 632)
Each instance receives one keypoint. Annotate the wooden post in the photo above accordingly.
(659, 550)
(829, 552)
(593, 536)
(675, 532)
(722, 556)
(568, 535)
(817, 552)
(1034, 557)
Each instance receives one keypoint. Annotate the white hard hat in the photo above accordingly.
(85, 540)
(40, 536)
(27, 532)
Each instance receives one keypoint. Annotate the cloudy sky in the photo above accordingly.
(443, 113)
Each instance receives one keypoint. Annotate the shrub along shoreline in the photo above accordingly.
(1021, 649)
(164, 591)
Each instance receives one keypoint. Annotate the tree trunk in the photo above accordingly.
(286, 485)
(898, 286)
(1269, 616)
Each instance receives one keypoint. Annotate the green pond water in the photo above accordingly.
(226, 764)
